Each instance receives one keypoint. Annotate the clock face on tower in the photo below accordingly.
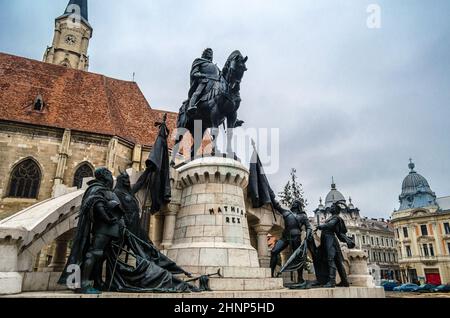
(70, 39)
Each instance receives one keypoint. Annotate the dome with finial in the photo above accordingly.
(416, 191)
(334, 195)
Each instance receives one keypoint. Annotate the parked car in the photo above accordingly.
(442, 289)
(406, 288)
(426, 288)
(389, 285)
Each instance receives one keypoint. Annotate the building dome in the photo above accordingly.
(333, 196)
(416, 191)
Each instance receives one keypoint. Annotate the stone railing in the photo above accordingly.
(23, 235)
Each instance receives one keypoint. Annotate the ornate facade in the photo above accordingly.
(422, 230)
(373, 236)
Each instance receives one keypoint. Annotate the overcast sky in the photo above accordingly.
(351, 102)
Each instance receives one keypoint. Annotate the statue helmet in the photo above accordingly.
(208, 53)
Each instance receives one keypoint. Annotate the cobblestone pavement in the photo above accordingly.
(416, 295)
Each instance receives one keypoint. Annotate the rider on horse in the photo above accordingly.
(203, 75)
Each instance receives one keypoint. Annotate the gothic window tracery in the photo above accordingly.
(25, 180)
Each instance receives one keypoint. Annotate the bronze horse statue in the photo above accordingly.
(221, 103)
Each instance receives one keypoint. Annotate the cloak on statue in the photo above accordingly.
(335, 231)
(152, 272)
(139, 241)
(96, 192)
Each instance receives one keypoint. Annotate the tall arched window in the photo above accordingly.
(25, 180)
(83, 171)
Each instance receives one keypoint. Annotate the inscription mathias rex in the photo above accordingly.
(232, 214)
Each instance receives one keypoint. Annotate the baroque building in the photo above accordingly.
(373, 236)
(71, 39)
(422, 230)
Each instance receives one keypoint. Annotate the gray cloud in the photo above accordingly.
(350, 102)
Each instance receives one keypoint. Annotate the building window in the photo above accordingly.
(378, 242)
(38, 104)
(364, 239)
(371, 240)
(431, 250)
(25, 180)
(425, 250)
(398, 234)
(405, 232)
(408, 251)
(84, 171)
(424, 230)
(448, 247)
(447, 228)
(374, 256)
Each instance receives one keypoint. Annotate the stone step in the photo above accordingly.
(251, 284)
(231, 272)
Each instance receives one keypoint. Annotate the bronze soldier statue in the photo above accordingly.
(330, 254)
(294, 220)
(203, 75)
(100, 223)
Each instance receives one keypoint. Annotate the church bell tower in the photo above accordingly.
(71, 39)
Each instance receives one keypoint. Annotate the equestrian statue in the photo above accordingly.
(214, 97)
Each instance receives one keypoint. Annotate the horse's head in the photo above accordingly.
(235, 68)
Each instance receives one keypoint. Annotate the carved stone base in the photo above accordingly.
(211, 229)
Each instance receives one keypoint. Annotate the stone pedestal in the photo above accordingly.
(10, 277)
(262, 233)
(211, 228)
(359, 273)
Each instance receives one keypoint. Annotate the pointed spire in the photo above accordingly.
(333, 184)
(78, 7)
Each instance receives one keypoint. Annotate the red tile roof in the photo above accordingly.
(76, 100)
